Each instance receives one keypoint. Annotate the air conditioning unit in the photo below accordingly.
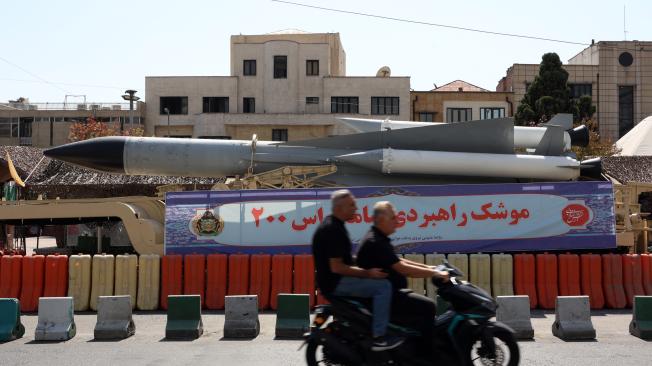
(81, 107)
(116, 107)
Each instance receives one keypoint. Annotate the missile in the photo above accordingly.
(524, 137)
(391, 161)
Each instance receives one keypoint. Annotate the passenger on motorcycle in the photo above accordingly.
(338, 276)
(376, 251)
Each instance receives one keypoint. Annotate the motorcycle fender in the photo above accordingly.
(339, 351)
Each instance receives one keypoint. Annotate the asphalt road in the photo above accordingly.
(614, 345)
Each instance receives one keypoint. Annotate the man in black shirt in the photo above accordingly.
(336, 274)
(376, 250)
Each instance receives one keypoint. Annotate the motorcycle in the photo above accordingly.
(463, 335)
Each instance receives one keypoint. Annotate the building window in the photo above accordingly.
(8, 127)
(625, 109)
(248, 105)
(426, 116)
(344, 104)
(280, 67)
(176, 105)
(312, 67)
(491, 112)
(279, 134)
(312, 100)
(249, 68)
(578, 90)
(215, 105)
(458, 114)
(384, 105)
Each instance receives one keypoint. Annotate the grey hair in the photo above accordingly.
(339, 195)
(382, 208)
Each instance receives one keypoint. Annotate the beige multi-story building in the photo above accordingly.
(460, 101)
(617, 75)
(48, 124)
(286, 85)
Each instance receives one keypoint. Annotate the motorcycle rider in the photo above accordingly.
(376, 251)
(338, 276)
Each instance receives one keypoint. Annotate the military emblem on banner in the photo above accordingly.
(207, 224)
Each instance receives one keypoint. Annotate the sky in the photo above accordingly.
(100, 48)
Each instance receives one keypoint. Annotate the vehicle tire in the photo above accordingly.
(507, 351)
(315, 355)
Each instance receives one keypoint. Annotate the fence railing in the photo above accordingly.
(71, 106)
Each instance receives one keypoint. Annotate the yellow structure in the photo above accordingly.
(103, 276)
(79, 280)
(126, 276)
(149, 274)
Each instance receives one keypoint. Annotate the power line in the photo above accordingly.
(432, 24)
(32, 74)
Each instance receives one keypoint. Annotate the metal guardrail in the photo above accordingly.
(70, 106)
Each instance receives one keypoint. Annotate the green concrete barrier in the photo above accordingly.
(292, 315)
(10, 326)
(641, 324)
(184, 317)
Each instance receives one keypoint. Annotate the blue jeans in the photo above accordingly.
(378, 290)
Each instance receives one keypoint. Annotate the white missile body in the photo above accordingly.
(524, 137)
(391, 161)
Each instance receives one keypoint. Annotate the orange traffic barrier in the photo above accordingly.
(592, 279)
(304, 276)
(56, 276)
(547, 280)
(612, 281)
(238, 274)
(260, 278)
(194, 276)
(646, 268)
(32, 282)
(10, 276)
(281, 277)
(216, 265)
(171, 277)
(524, 277)
(632, 277)
(569, 275)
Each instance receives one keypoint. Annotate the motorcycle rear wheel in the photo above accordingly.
(507, 352)
(315, 355)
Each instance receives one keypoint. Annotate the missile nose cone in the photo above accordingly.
(103, 153)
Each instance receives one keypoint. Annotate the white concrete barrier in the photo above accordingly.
(514, 311)
(241, 317)
(573, 318)
(56, 321)
(114, 320)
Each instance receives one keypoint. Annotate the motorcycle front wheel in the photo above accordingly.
(315, 355)
(506, 352)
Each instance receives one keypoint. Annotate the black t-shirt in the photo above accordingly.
(331, 240)
(377, 251)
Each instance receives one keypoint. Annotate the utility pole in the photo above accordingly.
(129, 95)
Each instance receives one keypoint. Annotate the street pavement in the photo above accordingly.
(614, 345)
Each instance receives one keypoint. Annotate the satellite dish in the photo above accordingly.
(384, 72)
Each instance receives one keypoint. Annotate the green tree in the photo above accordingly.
(547, 95)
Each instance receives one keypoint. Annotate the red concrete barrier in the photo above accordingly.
(260, 278)
(525, 277)
(569, 275)
(216, 267)
(171, 277)
(10, 275)
(281, 277)
(547, 280)
(612, 281)
(238, 274)
(32, 282)
(194, 276)
(592, 279)
(632, 277)
(304, 276)
(646, 268)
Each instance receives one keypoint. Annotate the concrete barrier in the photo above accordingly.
(292, 315)
(184, 317)
(514, 311)
(10, 326)
(56, 321)
(114, 319)
(573, 318)
(241, 317)
(641, 324)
